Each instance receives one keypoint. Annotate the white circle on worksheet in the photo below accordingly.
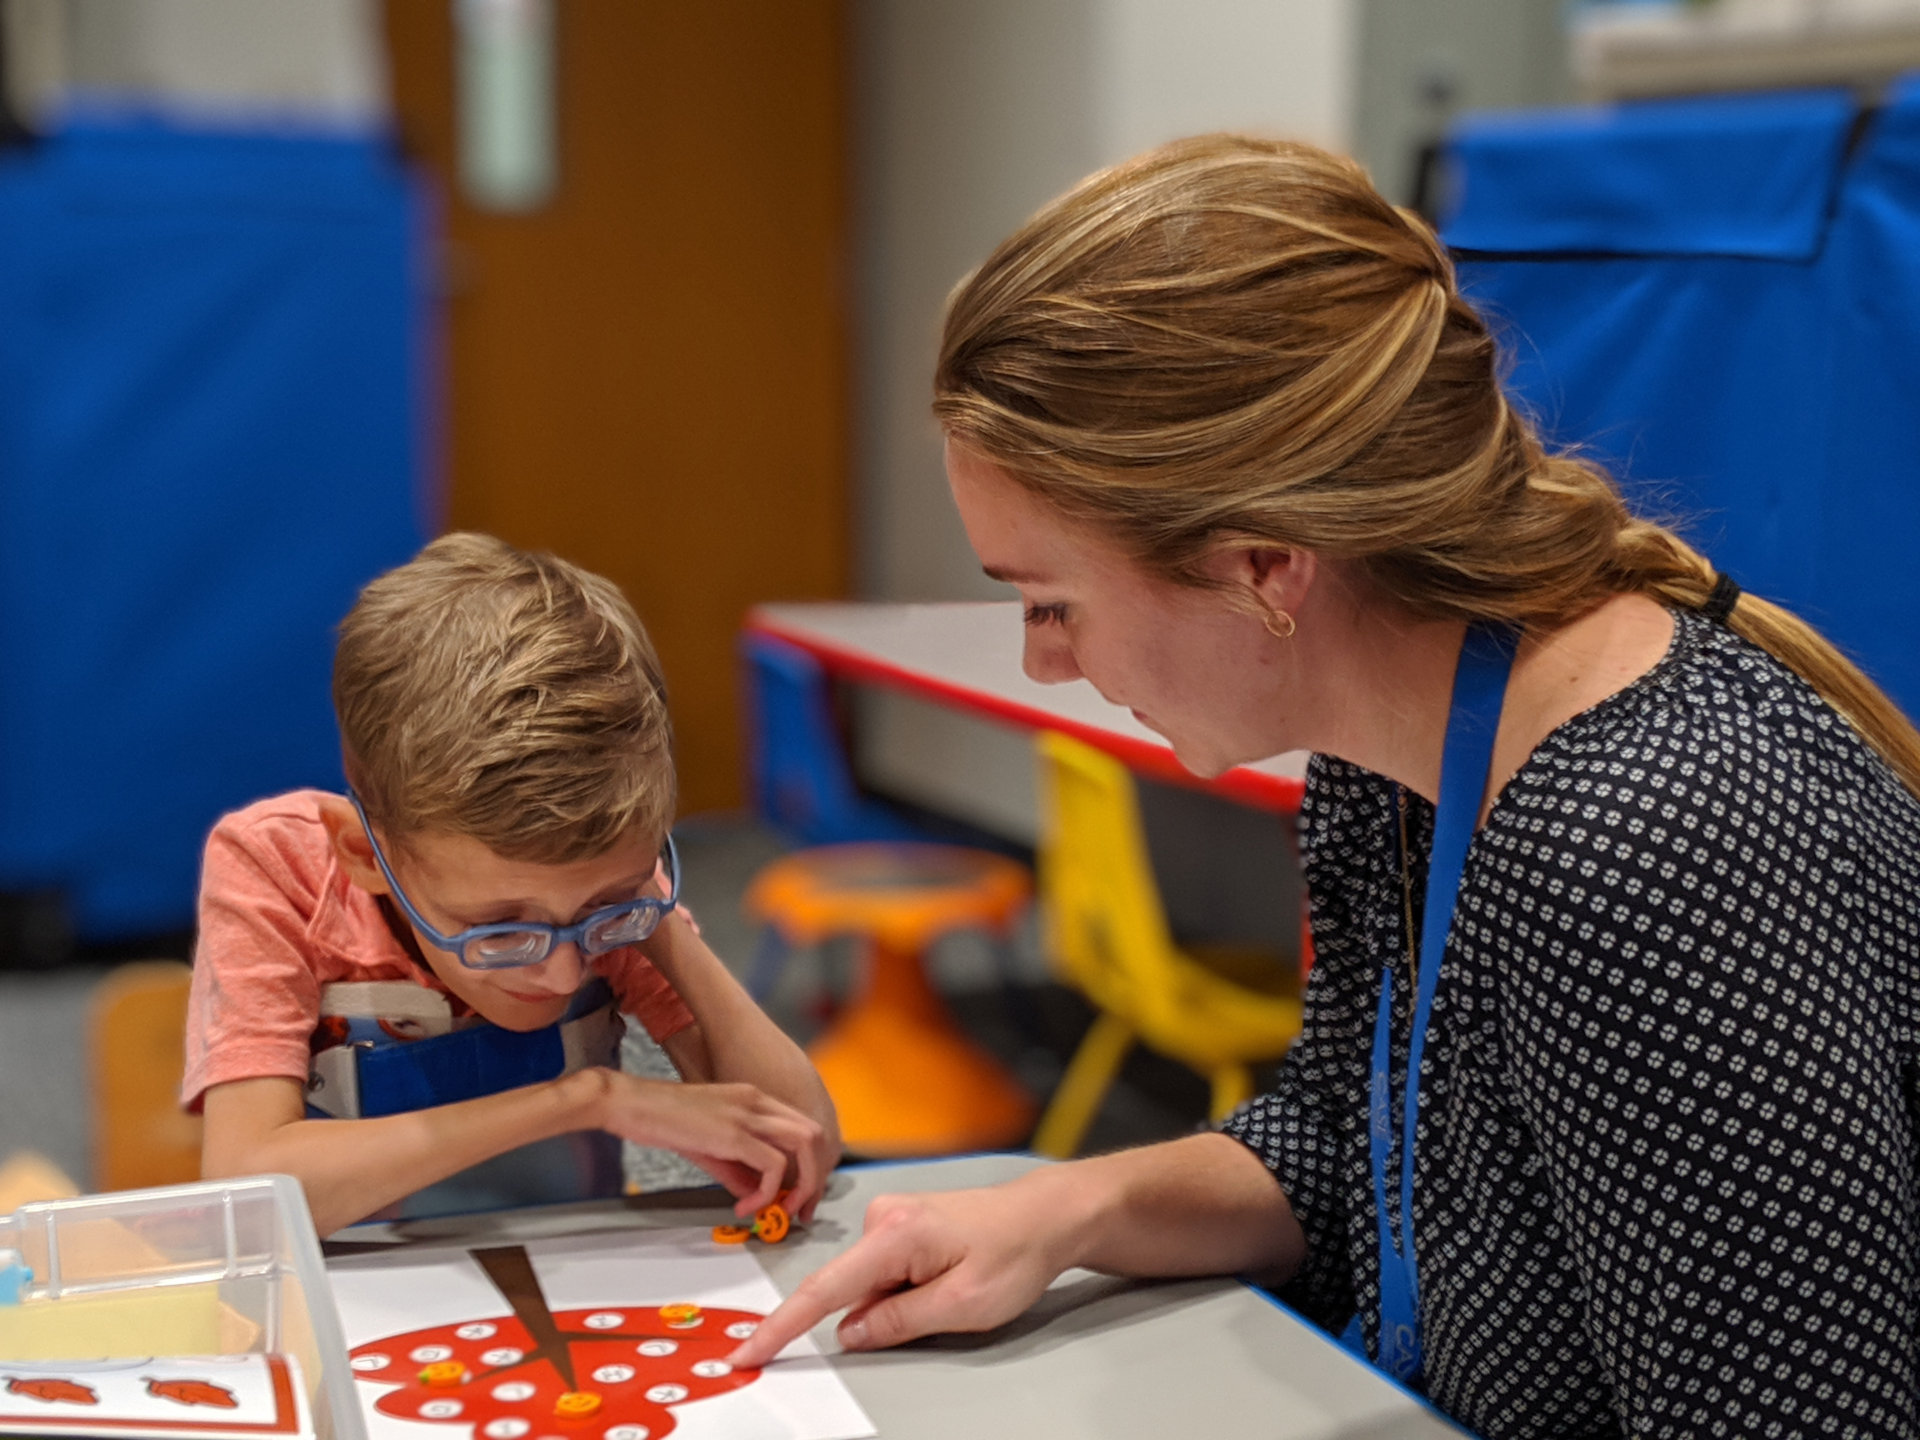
(614, 1374)
(513, 1391)
(711, 1369)
(504, 1355)
(627, 1432)
(667, 1394)
(508, 1429)
(440, 1409)
(431, 1354)
(371, 1362)
(657, 1347)
(604, 1320)
(741, 1329)
(479, 1330)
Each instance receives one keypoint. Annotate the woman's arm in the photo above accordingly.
(974, 1259)
(352, 1168)
(734, 1040)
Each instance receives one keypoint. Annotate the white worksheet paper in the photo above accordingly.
(624, 1272)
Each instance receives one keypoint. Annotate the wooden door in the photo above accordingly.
(648, 375)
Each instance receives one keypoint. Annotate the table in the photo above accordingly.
(967, 655)
(1097, 1357)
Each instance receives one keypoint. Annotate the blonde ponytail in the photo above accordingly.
(1231, 337)
(1656, 562)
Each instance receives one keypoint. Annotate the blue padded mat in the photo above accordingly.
(1720, 298)
(214, 375)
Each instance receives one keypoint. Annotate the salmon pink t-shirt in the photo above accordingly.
(279, 919)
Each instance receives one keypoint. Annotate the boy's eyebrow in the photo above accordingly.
(612, 894)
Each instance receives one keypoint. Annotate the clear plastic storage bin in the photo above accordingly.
(223, 1267)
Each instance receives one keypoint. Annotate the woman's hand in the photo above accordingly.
(974, 1259)
(964, 1260)
(750, 1142)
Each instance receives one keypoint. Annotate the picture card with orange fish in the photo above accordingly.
(175, 1398)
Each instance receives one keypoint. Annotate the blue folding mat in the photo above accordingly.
(213, 429)
(1720, 299)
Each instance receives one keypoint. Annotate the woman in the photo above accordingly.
(1222, 417)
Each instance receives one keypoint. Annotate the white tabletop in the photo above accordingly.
(968, 655)
(1097, 1358)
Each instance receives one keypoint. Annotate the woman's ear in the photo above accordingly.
(351, 848)
(1276, 577)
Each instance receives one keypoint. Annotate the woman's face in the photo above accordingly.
(1188, 663)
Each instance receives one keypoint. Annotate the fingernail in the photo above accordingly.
(853, 1335)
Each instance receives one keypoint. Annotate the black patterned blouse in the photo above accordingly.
(1665, 1170)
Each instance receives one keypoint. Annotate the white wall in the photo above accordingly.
(308, 61)
(1168, 68)
(970, 116)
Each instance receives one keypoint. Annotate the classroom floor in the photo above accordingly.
(1032, 1024)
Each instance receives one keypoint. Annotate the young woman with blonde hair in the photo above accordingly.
(1622, 865)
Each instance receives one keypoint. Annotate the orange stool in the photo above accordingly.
(904, 1078)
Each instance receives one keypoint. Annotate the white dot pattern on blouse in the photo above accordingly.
(1665, 1168)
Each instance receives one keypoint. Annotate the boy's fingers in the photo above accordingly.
(808, 1183)
(737, 1178)
(869, 1269)
(772, 1167)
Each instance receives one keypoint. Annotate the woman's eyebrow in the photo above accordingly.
(1011, 576)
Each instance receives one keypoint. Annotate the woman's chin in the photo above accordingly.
(1200, 766)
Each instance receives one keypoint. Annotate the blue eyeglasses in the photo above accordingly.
(510, 944)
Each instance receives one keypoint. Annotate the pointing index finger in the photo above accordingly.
(867, 1271)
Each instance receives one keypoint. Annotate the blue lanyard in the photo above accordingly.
(1479, 686)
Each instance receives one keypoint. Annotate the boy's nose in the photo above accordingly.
(559, 973)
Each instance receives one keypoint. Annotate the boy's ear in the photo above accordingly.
(350, 844)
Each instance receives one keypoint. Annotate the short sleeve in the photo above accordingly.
(255, 996)
(1286, 1128)
(645, 994)
(1306, 1128)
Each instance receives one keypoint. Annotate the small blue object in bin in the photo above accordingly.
(14, 1277)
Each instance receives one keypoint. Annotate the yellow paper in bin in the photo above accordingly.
(128, 1324)
(215, 1268)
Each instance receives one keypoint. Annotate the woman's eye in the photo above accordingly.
(1046, 614)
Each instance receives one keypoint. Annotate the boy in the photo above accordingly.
(416, 952)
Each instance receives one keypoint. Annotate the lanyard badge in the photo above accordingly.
(1479, 687)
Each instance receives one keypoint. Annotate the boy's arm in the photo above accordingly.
(733, 1039)
(352, 1168)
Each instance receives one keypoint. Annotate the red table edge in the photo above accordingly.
(1282, 793)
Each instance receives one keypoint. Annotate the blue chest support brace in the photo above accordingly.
(400, 1052)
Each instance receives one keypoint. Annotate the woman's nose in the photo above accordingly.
(1048, 658)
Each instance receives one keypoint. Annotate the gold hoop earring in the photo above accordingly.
(1277, 633)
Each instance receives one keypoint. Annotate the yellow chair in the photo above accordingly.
(1216, 1009)
(137, 1031)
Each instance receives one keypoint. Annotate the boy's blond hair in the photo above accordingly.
(505, 695)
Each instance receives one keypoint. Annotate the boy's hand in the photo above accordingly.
(737, 1133)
